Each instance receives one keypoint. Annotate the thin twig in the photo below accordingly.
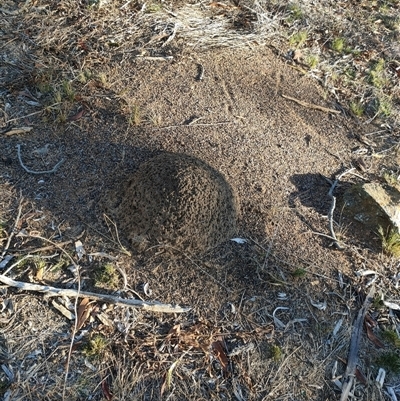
(53, 170)
(73, 334)
(160, 58)
(124, 250)
(54, 244)
(311, 106)
(31, 114)
(54, 291)
(172, 36)
(44, 248)
(17, 263)
(13, 230)
(354, 345)
(332, 208)
(193, 125)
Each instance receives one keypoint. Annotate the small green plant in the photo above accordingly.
(276, 353)
(298, 39)
(391, 337)
(85, 76)
(102, 78)
(95, 347)
(390, 241)
(62, 116)
(390, 361)
(68, 90)
(377, 75)
(153, 8)
(43, 81)
(385, 106)
(295, 13)
(40, 266)
(135, 115)
(350, 73)
(377, 302)
(155, 119)
(59, 265)
(357, 108)
(299, 272)
(338, 45)
(4, 384)
(107, 276)
(57, 96)
(312, 60)
(391, 178)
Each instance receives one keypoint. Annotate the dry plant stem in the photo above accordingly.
(193, 125)
(354, 345)
(332, 208)
(53, 170)
(311, 106)
(17, 263)
(45, 248)
(54, 291)
(13, 230)
(31, 114)
(73, 335)
(124, 250)
(55, 245)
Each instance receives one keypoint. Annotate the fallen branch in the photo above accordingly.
(310, 105)
(350, 372)
(53, 292)
(53, 170)
(332, 208)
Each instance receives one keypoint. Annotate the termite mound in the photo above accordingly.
(177, 200)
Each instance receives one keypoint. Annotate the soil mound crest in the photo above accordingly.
(178, 200)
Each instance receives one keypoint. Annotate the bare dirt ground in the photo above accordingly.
(271, 313)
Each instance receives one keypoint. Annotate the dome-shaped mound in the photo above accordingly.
(178, 200)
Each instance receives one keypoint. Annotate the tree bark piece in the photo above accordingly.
(350, 372)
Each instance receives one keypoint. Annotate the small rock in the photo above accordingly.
(374, 205)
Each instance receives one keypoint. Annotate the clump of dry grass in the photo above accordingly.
(359, 66)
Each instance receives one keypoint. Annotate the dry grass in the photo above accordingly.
(54, 52)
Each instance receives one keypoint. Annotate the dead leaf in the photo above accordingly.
(20, 130)
(360, 376)
(39, 273)
(77, 116)
(147, 290)
(220, 353)
(106, 390)
(84, 310)
(163, 385)
(370, 334)
(239, 240)
(80, 251)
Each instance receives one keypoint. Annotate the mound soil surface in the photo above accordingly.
(179, 200)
